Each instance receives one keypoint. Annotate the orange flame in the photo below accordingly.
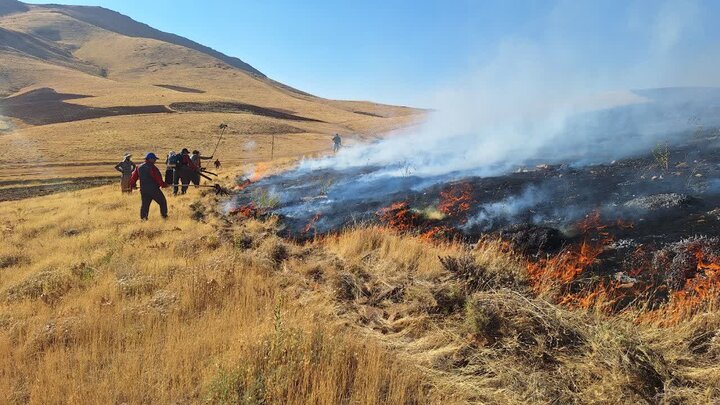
(247, 211)
(399, 216)
(311, 223)
(457, 200)
(437, 233)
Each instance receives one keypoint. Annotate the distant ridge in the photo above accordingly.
(12, 6)
(122, 24)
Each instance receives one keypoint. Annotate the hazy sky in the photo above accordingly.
(406, 51)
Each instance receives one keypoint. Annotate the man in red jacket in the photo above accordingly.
(151, 183)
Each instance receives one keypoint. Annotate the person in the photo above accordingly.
(185, 171)
(126, 168)
(337, 143)
(170, 167)
(151, 185)
(218, 165)
(197, 159)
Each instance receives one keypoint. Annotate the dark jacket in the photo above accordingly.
(186, 161)
(150, 178)
(126, 167)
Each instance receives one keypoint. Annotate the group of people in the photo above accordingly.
(181, 169)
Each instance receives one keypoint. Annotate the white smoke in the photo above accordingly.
(530, 104)
(504, 210)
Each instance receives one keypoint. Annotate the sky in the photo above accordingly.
(412, 52)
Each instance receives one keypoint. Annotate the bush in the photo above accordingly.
(49, 285)
(513, 322)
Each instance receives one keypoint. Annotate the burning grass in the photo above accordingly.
(374, 314)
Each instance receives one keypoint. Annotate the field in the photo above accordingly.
(99, 307)
(374, 300)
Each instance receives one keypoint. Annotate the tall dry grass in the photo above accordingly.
(96, 307)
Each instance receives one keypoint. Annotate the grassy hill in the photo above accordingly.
(211, 306)
(124, 70)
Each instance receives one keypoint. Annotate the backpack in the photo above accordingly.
(175, 160)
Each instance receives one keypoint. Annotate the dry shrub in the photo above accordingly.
(449, 299)
(474, 276)
(509, 321)
(275, 251)
(49, 285)
(243, 241)
(10, 260)
(631, 369)
(347, 286)
(60, 331)
(133, 285)
(679, 261)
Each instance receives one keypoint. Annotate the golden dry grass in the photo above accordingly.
(96, 307)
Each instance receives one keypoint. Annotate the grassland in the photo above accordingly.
(97, 307)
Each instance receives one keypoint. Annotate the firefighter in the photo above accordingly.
(197, 159)
(170, 167)
(126, 168)
(337, 143)
(185, 171)
(151, 183)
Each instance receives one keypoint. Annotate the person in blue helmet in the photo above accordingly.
(151, 185)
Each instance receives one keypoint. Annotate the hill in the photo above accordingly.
(130, 88)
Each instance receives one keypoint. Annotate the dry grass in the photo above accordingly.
(96, 307)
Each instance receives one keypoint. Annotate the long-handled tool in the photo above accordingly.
(219, 190)
(223, 127)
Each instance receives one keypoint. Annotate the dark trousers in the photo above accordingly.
(169, 176)
(147, 198)
(195, 178)
(182, 175)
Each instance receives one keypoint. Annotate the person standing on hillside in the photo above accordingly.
(126, 168)
(151, 185)
(170, 167)
(337, 143)
(197, 159)
(184, 171)
(218, 165)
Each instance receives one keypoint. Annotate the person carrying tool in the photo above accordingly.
(185, 171)
(197, 159)
(126, 168)
(170, 167)
(337, 143)
(151, 183)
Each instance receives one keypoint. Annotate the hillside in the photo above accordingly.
(110, 84)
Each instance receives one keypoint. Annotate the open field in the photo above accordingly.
(81, 86)
(336, 285)
(209, 307)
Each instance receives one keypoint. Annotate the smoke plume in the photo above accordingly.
(552, 99)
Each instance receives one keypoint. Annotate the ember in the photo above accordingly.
(310, 225)
(399, 216)
(456, 201)
(247, 211)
